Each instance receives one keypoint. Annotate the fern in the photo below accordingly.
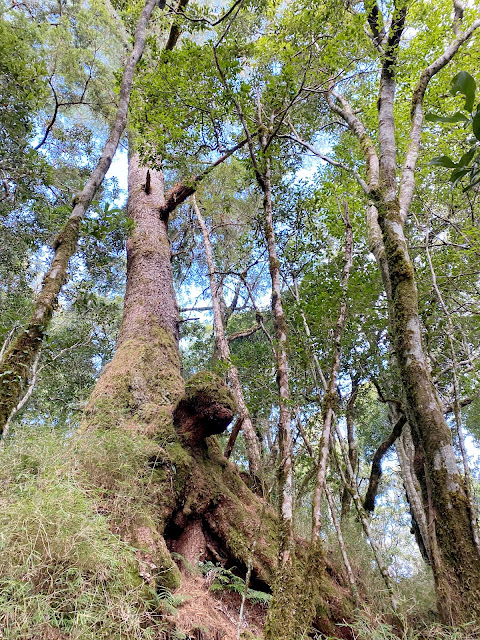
(170, 601)
(226, 580)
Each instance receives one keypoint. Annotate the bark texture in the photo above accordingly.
(17, 363)
(454, 555)
(406, 456)
(376, 471)
(456, 567)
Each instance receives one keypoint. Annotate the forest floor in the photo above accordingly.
(218, 612)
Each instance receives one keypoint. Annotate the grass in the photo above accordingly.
(63, 573)
(370, 627)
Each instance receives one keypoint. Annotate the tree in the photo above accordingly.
(389, 204)
(21, 355)
(204, 500)
(244, 418)
(264, 83)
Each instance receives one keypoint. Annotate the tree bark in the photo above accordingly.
(455, 559)
(376, 472)
(352, 447)
(281, 625)
(223, 349)
(406, 456)
(458, 564)
(18, 361)
(285, 469)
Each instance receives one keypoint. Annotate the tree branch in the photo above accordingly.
(328, 160)
(416, 114)
(244, 333)
(184, 189)
(376, 472)
(344, 110)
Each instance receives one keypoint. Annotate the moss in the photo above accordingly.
(17, 364)
(206, 408)
(167, 573)
(208, 383)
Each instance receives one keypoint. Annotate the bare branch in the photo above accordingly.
(376, 472)
(328, 160)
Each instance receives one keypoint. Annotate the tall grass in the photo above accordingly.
(63, 573)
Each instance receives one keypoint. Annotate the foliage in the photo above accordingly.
(469, 163)
(223, 579)
(369, 627)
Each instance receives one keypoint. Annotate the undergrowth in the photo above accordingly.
(370, 627)
(63, 573)
(225, 580)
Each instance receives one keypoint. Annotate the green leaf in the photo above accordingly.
(466, 159)
(457, 117)
(465, 84)
(471, 185)
(476, 125)
(458, 175)
(443, 161)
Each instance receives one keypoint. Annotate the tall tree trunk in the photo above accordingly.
(454, 555)
(285, 469)
(19, 359)
(146, 365)
(246, 424)
(457, 566)
(195, 502)
(281, 623)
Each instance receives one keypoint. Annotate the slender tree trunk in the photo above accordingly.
(18, 361)
(341, 544)
(352, 447)
(406, 456)
(350, 484)
(222, 348)
(331, 393)
(455, 560)
(286, 615)
(285, 470)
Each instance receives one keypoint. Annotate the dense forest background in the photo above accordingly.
(239, 391)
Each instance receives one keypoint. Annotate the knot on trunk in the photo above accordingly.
(206, 408)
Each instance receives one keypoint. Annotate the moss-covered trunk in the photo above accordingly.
(454, 555)
(195, 502)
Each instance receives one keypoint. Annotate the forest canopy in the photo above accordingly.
(239, 301)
